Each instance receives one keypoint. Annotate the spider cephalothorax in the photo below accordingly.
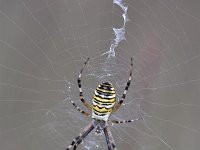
(99, 125)
(103, 105)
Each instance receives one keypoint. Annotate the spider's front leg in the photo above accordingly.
(81, 136)
(109, 139)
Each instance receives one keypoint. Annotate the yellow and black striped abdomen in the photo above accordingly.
(103, 101)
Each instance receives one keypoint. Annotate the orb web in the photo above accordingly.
(44, 44)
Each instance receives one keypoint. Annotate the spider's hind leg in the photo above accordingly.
(80, 88)
(125, 121)
(125, 90)
(78, 108)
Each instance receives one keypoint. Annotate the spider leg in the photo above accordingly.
(125, 121)
(126, 89)
(77, 140)
(78, 108)
(109, 139)
(80, 89)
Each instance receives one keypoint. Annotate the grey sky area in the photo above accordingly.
(43, 45)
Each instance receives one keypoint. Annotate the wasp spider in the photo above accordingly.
(103, 105)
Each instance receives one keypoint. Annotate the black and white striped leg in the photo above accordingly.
(109, 139)
(125, 121)
(78, 108)
(126, 89)
(81, 136)
(80, 88)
